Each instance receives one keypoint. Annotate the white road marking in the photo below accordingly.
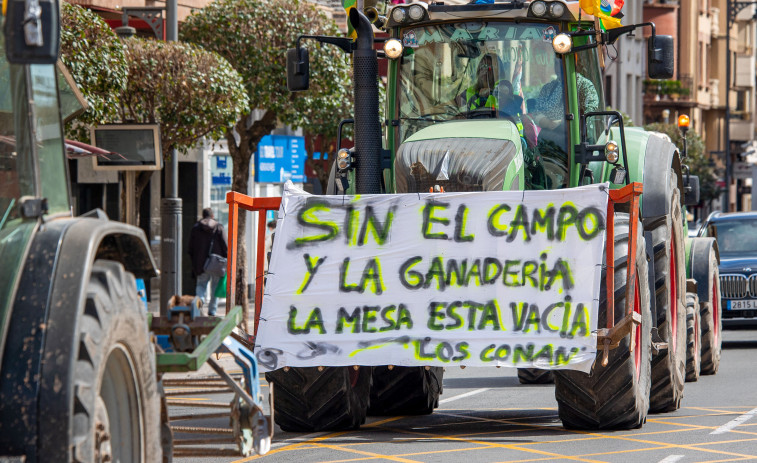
(735, 422)
(671, 459)
(462, 396)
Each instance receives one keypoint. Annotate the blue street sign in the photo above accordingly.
(280, 158)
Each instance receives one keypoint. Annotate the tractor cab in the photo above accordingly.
(512, 82)
(500, 83)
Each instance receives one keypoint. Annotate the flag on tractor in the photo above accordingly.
(607, 11)
(348, 5)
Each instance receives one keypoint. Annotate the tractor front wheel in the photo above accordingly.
(669, 362)
(115, 397)
(320, 398)
(405, 390)
(615, 396)
(711, 322)
(693, 338)
(535, 376)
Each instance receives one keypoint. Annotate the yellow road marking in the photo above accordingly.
(629, 439)
(294, 446)
(370, 454)
(494, 444)
(546, 456)
(311, 442)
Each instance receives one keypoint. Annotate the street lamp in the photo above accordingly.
(734, 8)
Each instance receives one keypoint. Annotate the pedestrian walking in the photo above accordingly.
(206, 239)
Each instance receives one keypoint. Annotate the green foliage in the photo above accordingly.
(189, 91)
(665, 87)
(254, 36)
(95, 57)
(696, 159)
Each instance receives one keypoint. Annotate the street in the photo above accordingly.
(486, 415)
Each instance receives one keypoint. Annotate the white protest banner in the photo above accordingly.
(474, 279)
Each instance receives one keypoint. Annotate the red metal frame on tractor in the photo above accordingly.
(607, 338)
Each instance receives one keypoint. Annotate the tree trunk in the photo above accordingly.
(241, 155)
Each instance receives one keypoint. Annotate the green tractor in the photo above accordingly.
(81, 376)
(509, 96)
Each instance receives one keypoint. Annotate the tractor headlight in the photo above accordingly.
(538, 9)
(343, 159)
(393, 48)
(612, 152)
(556, 9)
(562, 44)
(415, 12)
(399, 14)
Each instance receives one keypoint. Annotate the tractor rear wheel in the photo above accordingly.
(712, 324)
(115, 397)
(535, 376)
(405, 390)
(693, 338)
(320, 398)
(615, 396)
(669, 364)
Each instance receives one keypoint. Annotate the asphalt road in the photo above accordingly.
(485, 415)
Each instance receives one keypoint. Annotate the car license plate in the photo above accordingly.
(746, 304)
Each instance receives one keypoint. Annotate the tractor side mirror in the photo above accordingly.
(298, 69)
(32, 31)
(691, 190)
(660, 57)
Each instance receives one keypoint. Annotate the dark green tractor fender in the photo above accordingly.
(699, 263)
(660, 155)
(53, 283)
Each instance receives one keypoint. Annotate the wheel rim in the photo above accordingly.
(120, 399)
(673, 295)
(637, 344)
(715, 308)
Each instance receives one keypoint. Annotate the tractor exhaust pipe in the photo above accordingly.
(368, 171)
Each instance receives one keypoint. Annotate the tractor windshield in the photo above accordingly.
(500, 70)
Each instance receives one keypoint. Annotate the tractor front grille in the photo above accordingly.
(736, 286)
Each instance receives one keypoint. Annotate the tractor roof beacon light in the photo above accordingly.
(556, 10)
(393, 48)
(415, 12)
(612, 152)
(562, 44)
(399, 14)
(684, 123)
(538, 9)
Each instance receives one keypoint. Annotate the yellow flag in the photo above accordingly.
(594, 8)
(348, 5)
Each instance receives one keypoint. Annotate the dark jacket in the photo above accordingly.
(199, 243)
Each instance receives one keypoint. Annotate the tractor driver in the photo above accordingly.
(489, 92)
(480, 95)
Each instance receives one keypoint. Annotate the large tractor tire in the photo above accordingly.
(615, 396)
(669, 364)
(405, 390)
(712, 323)
(115, 397)
(320, 398)
(693, 338)
(535, 376)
